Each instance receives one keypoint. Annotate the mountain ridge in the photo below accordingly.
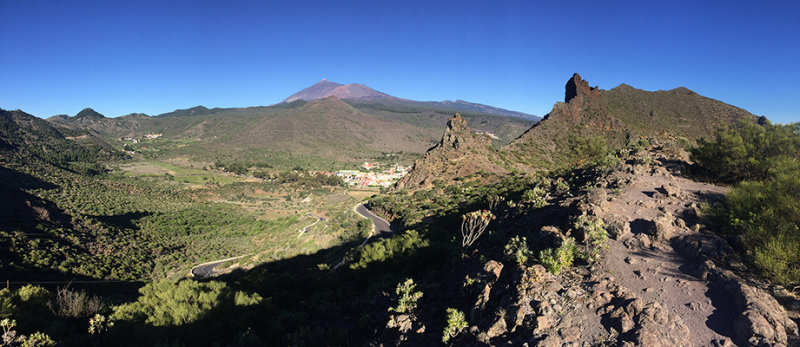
(590, 116)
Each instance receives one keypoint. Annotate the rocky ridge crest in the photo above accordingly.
(459, 153)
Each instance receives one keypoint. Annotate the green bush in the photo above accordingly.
(556, 259)
(586, 149)
(38, 339)
(406, 297)
(535, 197)
(385, 249)
(595, 236)
(763, 206)
(456, 322)
(639, 145)
(749, 151)
(517, 249)
(166, 303)
(767, 214)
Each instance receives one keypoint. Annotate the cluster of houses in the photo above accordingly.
(373, 177)
(135, 140)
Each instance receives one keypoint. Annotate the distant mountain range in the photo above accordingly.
(360, 93)
(324, 122)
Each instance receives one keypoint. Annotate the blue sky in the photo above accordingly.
(120, 57)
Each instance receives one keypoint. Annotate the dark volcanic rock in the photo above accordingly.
(446, 160)
(578, 88)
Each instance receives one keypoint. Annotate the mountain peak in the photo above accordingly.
(89, 113)
(325, 88)
(578, 88)
(319, 90)
(443, 160)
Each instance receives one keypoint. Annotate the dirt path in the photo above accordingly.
(655, 271)
(306, 228)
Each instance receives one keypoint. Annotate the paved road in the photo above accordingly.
(382, 227)
(207, 269)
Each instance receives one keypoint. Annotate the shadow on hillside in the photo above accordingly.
(22, 211)
(123, 221)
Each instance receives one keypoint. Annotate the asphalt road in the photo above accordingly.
(207, 269)
(382, 227)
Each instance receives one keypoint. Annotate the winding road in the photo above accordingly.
(205, 270)
(308, 227)
(380, 227)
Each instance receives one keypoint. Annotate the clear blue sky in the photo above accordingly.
(120, 57)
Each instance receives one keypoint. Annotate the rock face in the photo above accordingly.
(761, 321)
(578, 88)
(459, 153)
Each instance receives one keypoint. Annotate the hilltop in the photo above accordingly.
(324, 89)
(589, 123)
(616, 117)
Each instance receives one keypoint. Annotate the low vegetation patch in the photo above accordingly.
(762, 163)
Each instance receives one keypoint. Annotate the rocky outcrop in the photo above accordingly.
(635, 321)
(762, 321)
(459, 153)
(578, 88)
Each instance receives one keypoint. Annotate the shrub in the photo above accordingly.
(100, 324)
(494, 201)
(517, 249)
(406, 297)
(385, 249)
(473, 224)
(166, 303)
(535, 197)
(767, 214)
(640, 144)
(586, 149)
(38, 339)
(456, 322)
(749, 151)
(555, 259)
(76, 304)
(595, 236)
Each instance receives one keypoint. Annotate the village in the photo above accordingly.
(373, 176)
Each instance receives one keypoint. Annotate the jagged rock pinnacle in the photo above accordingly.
(578, 88)
(457, 133)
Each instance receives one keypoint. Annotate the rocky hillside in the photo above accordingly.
(662, 278)
(616, 117)
(460, 153)
(588, 124)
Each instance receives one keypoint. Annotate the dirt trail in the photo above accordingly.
(655, 271)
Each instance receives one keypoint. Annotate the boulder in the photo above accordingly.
(618, 226)
(664, 226)
(762, 320)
